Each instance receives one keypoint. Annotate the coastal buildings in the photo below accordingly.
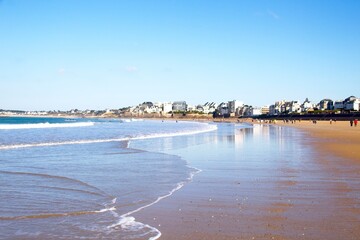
(179, 106)
(326, 104)
(255, 111)
(339, 105)
(167, 107)
(232, 108)
(277, 108)
(295, 107)
(208, 107)
(265, 110)
(352, 103)
(223, 109)
(307, 106)
(348, 104)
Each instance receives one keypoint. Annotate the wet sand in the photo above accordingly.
(313, 193)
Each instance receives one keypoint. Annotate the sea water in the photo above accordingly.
(82, 179)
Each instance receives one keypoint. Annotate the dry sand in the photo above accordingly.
(318, 198)
(337, 138)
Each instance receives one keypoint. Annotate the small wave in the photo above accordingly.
(127, 139)
(45, 125)
(61, 178)
(56, 215)
(49, 144)
(176, 134)
(128, 222)
(127, 120)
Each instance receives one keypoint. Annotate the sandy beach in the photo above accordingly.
(337, 138)
(265, 181)
(313, 194)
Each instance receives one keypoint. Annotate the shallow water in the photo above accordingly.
(84, 181)
(90, 181)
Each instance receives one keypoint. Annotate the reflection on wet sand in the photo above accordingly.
(261, 182)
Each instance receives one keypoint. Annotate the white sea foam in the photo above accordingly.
(127, 120)
(49, 144)
(129, 222)
(105, 210)
(45, 125)
(151, 136)
(161, 135)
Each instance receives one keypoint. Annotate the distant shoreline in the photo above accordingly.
(333, 136)
(208, 117)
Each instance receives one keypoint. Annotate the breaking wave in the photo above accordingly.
(45, 125)
(88, 141)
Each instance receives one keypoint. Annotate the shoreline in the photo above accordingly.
(337, 137)
(314, 200)
(310, 194)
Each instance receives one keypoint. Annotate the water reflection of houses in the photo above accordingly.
(253, 133)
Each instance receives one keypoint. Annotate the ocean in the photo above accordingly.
(74, 178)
(131, 179)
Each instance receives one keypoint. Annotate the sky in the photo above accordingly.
(86, 54)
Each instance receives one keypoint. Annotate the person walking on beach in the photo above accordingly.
(351, 123)
(355, 122)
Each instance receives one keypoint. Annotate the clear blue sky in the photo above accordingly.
(63, 54)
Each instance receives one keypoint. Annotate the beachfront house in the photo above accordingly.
(209, 107)
(233, 105)
(154, 108)
(179, 106)
(273, 110)
(200, 108)
(277, 108)
(352, 104)
(307, 106)
(244, 111)
(191, 108)
(255, 111)
(265, 110)
(339, 105)
(285, 107)
(223, 109)
(167, 107)
(206, 108)
(326, 104)
(295, 107)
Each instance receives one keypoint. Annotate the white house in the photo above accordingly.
(294, 107)
(167, 107)
(206, 108)
(244, 110)
(265, 110)
(223, 108)
(233, 105)
(353, 105)
(179, 106)
(209, 107)
(277, 108)
(326, 104)
(151, 109)
(191, 108)
(339, 105)
(256, 111)
(307, 105)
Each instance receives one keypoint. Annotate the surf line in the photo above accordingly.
(161, 135)
(127, 221)
(44, 125)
